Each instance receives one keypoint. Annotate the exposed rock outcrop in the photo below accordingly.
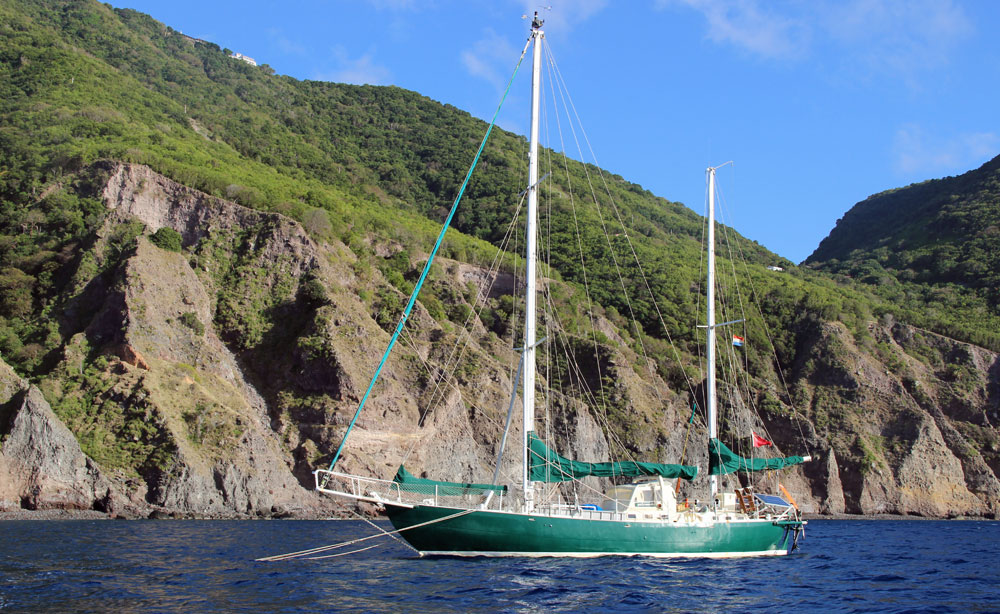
(892, 425)
(41, 463)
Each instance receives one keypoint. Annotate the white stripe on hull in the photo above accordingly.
(589, 555)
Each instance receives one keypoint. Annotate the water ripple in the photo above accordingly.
(208, 566)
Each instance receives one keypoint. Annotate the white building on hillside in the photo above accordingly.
(249, 60)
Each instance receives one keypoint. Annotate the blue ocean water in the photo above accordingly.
(209, 566)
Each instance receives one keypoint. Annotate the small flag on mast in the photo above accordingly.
(738, 341)
(759, 441)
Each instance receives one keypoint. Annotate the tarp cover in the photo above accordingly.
(411, 483)
(722, 460)
(547, 466)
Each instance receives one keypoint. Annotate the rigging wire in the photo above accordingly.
(745, 412)
(740, 399)
(427, 267)
(444, 380)
(607, 234)
(560, 86)
(612, 252)
(756, 302)
(311, 551)
(462, 344)
(628, 240)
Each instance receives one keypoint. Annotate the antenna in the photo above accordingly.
(543, 8)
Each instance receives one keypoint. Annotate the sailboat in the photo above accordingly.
(641, 517)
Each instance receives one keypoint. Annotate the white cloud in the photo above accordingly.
(359, 71)
(561, 16)
(396, 5)
(763, 29)
(285, 44)
(918, 153)
(489, 58)
(901, 38)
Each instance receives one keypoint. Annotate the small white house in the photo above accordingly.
(247, 59)
(775, 268)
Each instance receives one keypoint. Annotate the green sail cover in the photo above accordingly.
(722, 460)
(547, 466)
(411, 483)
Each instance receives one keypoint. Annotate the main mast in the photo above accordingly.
(530, 238)
(710, 326)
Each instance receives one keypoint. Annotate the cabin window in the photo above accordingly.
(647, 497)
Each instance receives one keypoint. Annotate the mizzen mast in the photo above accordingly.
(710, 326)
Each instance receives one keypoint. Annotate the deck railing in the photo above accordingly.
(374, 490)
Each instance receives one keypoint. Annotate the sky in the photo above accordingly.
(818, 103)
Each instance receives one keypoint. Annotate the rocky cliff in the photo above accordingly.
(41, 464)
(904, 419)
(210, 381)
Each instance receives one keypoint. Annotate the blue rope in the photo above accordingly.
(427, 267)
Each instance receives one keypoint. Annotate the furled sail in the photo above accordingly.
(548, 466)
(722, 460)
(411, 483)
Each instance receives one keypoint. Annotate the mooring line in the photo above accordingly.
(305, 553)
(381, 530)
(331, 556)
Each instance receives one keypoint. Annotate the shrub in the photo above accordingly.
(190, 320)
(167, 238)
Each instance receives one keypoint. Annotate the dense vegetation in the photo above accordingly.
(932, 248)
(349, 162)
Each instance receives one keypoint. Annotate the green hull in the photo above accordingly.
(482, 533)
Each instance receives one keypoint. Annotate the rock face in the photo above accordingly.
(211, 382)
(904, 430)
(183, 431)
(41, 464)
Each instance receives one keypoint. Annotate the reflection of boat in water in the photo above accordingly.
(642, 517)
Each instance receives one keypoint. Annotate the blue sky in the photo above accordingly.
(819, 103)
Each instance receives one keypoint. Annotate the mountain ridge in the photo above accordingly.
(933, 243)
(878, 220)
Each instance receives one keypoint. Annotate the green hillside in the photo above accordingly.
(932, 247)
(84, 82)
